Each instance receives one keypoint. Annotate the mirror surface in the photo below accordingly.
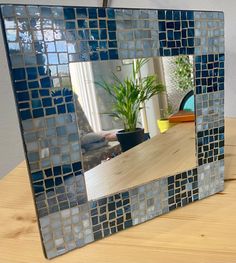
(108, 100)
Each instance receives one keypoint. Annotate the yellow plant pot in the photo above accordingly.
(164, 125)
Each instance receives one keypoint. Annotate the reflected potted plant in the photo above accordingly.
(129, 96)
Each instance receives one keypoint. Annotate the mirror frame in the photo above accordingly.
(36, 36)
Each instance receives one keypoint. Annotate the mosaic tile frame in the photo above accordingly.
(40, 42)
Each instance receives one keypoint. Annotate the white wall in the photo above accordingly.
(11, 152)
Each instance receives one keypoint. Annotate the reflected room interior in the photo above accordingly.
(166, 118)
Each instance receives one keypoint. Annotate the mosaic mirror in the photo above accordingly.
(70, 66)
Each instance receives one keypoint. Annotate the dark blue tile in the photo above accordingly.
(92, 13)
(38, 113)
(184, 24)
(50, 111)
(103, 44)
(162, 36)
(170, 35)
(20, 86)
(24, 105)
(48, 172)
(161, 15)
(94, 56)
(25, 115)
(183, 15)
(69, 13)
(93, 23)
(102, 24)
(49, 183)
(82, 23)
(33, 84)
(169, 15)
(110, 13)
(18, 74)
(44, 92)
(66, 168)
(190, 15)
(69, 99)
(58, 100)
(58, 181)
(177, 25)
(167, 52)
(170, 25)
(111, 24)
(77, 166)
(93, 45)
(42, 71)
(46, 82)
(37, 176)
(104, 55)
(162, 26)
(101, 12)
(176, 15)
(32, 73)
(47, 102)
(70, 25)
(70, 107)
(57, 170)
(112, 35)
(112, 44)
(61, 109)
(81, 12)
(94, 33)
(22, 96)
(34, 94)
(103, 34)
(113, 54)
(38, 187)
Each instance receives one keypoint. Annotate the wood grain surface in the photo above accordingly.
(202, 232)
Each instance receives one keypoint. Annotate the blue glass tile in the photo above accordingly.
(18, 74)
(37, 176)
(183, 15)
(34, 94)
(102, 24)
(32, 73)
(47, 102)
(112, 35)
(33, 84)
(61, 109)
(81, 12)
(101, 12)
(162, 26)
(20, 86)
(184, 24)
(113, 54)
(8, 11)
(69, 13)
(58, 181)
(103, 44)
(38, 187)
(70, 107)
(161, 15)
(176, 15)
(111, 25)
(92, 13)
(44, 92)
(25, 115)
(169, 15)
(170, 35)
(22, 96)
(110, 13)
(36, 104)
(190, 15)
(48, 172)
(93, 23)
(82, 23)
(53, 58)
(66, 168)
(37, 113)
(69, 99)
(57, 170)
(50, 111)
(49, 183)
(46, 82)
(103, 34)
(93, 45)
(94, 34)
(24, 105)
(104, 55)
(177, 25)
(70, 25)
(94, 56)
(58, 100)
(162, 36)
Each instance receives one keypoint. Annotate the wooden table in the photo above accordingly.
(165, 154)
(201, 232)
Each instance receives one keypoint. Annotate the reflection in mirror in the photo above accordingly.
(136, 120)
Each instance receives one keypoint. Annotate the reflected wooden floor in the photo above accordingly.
(163, 155)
